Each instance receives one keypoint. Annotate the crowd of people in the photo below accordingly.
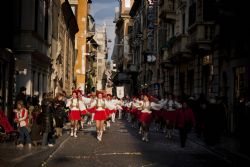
(39, 122)
(45, 121)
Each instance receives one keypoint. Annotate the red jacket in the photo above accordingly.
(185, 117)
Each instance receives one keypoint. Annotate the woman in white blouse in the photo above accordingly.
(145, 118)
(100, 115)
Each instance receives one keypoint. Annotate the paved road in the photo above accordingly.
(122, 147)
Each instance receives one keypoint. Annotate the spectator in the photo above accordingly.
(47, 121)
(36, 128)
(21, 118)
(60, 107)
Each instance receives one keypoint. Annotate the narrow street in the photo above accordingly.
(121, 146)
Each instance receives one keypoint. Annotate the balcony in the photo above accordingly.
(179, 47)
(167, 10)
(201, 36)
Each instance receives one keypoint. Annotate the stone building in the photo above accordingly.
(36, 48)
(188, 48)
(31, 45)
(101, 57)
(7, 58)
(81, 8)
(64, 28)
(122, 54)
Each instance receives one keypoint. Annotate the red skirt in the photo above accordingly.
(146, 117)
(100, 115)
(84, 112)
(134, 111)
(75, 115)
(126, 109)
(91, 110)
(170, 116)
(138, 114)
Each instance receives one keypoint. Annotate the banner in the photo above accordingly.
(120, 91)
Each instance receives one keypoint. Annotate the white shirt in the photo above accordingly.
(146, 107)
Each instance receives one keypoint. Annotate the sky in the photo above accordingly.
(103, 12)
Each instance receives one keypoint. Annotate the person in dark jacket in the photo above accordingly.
(60, 107)
(47, 121)
(214, 122)
(36, 128)
(185, 121)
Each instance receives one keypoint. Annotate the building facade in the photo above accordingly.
(64, 28)
(187, 48)
(32, 46)
(81, 8)
(7, 59)
(122, 54)
(101, 56)
(37, 49)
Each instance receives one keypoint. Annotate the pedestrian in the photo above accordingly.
(47, 121)
(21, 118)
(36, 128)
(60, 107)
(185, 121)
(200, 109)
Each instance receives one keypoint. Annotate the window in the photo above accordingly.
(36, 14)
(209, 10)
(192, 14)
(183, 23)
(46, 22)
(99, 72)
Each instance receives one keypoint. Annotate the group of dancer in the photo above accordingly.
(102, 110)
(167, 113)
(143, 109)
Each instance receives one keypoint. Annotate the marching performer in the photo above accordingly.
(91, 106)
(125, 108)
(118, 107)
(170, 114)
(145, 118)
(134, 110)
(100, 115)
(75, 105)
(83, 109)
(110, 108)
(140, 103)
